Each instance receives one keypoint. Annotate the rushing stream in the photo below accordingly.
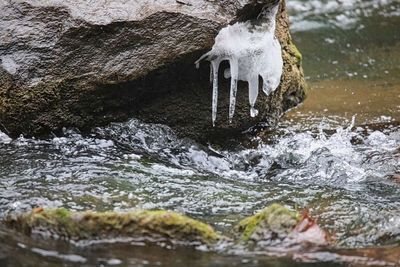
(337, 155)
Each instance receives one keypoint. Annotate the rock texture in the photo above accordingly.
(137, 224)
(273, 223)
(82, 64)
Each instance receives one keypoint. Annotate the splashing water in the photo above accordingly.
(341, 175)
(134, 165)
(311, 15)
(252, 51)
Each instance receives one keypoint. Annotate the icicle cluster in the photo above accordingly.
(252, 51)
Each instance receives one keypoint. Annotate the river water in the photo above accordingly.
(338, 155)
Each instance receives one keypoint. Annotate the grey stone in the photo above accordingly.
(78, 63)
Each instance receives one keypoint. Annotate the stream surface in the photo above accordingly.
(338, 155)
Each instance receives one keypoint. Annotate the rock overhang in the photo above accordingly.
(64, 67)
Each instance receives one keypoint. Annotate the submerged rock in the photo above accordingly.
(84, 64)
(274, 226)
(137, 224)
(273, 223)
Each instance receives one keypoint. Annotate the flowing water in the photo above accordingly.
(337, 155)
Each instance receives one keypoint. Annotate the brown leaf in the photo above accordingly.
(37, 210)
(308, 231)
(395, 178)
(305, 222)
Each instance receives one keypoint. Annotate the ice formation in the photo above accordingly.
(252, 51)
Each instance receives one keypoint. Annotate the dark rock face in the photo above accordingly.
(71, 63)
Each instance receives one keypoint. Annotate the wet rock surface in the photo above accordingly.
(270, 227)
(138, 224)
(272, 224)
(79, 64)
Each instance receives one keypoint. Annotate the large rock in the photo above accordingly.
(84, 64)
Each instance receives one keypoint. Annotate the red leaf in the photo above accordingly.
(37, 210)
(308, 231)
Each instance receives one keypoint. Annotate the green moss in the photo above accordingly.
(273, 219)
(272, 222)
(297, 54)
(62, 212)
(301, 94)
(91, 225)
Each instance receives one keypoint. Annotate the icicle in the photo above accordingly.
(266, 86)
(197, 63)
(234, 68)
(252, 51)
(215, 66)
(253, 93)
(211, 73)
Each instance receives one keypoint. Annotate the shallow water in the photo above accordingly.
(337, 155)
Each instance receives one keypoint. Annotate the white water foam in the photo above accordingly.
(343, 14)
(4, 139)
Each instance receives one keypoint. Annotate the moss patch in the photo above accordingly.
(90, 225)
(297, 54)
(271, 222)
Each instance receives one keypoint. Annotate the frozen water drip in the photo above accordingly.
(252, 51)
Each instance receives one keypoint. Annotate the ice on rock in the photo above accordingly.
(252, 51)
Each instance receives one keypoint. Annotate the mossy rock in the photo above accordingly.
(272, 223)
(141, 67)
(90, 225)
